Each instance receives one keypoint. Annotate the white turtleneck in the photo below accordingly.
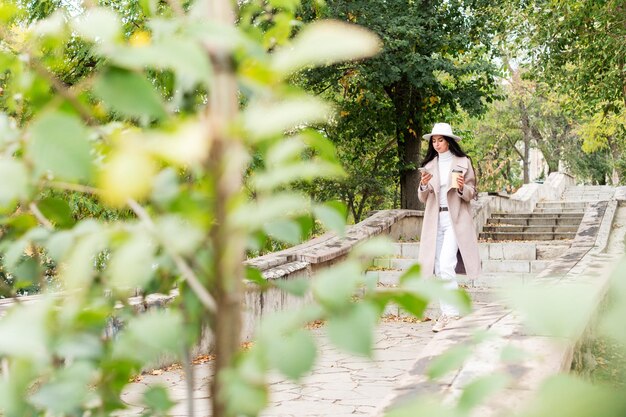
(445, 162)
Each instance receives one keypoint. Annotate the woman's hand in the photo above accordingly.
(426, 176)
(460, 181)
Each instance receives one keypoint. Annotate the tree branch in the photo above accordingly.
(184, 268)
(39, 215)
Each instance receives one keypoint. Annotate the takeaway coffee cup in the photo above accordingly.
(455, 175)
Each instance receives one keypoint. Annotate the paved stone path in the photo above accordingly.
(340, 385)
(344, 385)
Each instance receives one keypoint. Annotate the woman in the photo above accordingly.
(447, 186)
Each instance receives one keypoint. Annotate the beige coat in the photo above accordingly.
(460, 214)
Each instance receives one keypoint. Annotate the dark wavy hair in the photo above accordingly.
(454, 147)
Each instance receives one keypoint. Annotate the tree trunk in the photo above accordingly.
(227, 242)
(409, 128)
(615, 155)
(527, 136)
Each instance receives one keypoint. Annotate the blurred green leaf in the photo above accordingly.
(165, 187)
(353, 330)
(292, 353)
(268, 209)
(288, 150)
(34, 317)
(73, 346)
(545, 306)
(427, 407)
(263, 120)
(143, 339)
(512, 354)
(27, 273)
(8, 11)
(13, 182)
(374, 247)
(14, 253)
(612, 321)
(332, 216)
(284, 230)
(149, 7)
(78, 266)
(129, 94)
(414, 272)
(566, 395)
(295, 286)
(187, 59)
(479, 389)
(58, 244)
(157, 398)
(411, 303)
(335, 287)
(181, 235)
(243, 398)
(323, 147)
(67, 390)
(436, 290)
(131, 264)
(254, 275)
(99, 24)
(59, 144)
(450, 360)
(301, 171)
(16, 386)
(58, 211)
(342, 42)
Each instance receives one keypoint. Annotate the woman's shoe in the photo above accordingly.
(443, 321)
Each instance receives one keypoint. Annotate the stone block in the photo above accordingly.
(483, 249)
(382, 262)
(401, 263)
(538, 266)
(519, 251)
(506, 266)
(397, 249)
(410, 250)
(550, 251)
(496, 252)
(389, 278)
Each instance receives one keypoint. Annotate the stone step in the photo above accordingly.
(536, 221)
(581, 205)
(558, 211)
(494, 274)
(537, 215)
(590, 199)
(535, 229)
(392, 276)
(588, 188)
(515, 266)
(488, 251)
(497, 236)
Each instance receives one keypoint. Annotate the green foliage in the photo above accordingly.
(436, 58)
(123, 175)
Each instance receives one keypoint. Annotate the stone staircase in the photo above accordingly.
(551, 220)
(503, 263)
(588, 193)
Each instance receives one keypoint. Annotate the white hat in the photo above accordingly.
(442, 129)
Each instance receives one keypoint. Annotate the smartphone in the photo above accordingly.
(422, 170)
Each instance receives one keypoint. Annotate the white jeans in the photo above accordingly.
(445, 259)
